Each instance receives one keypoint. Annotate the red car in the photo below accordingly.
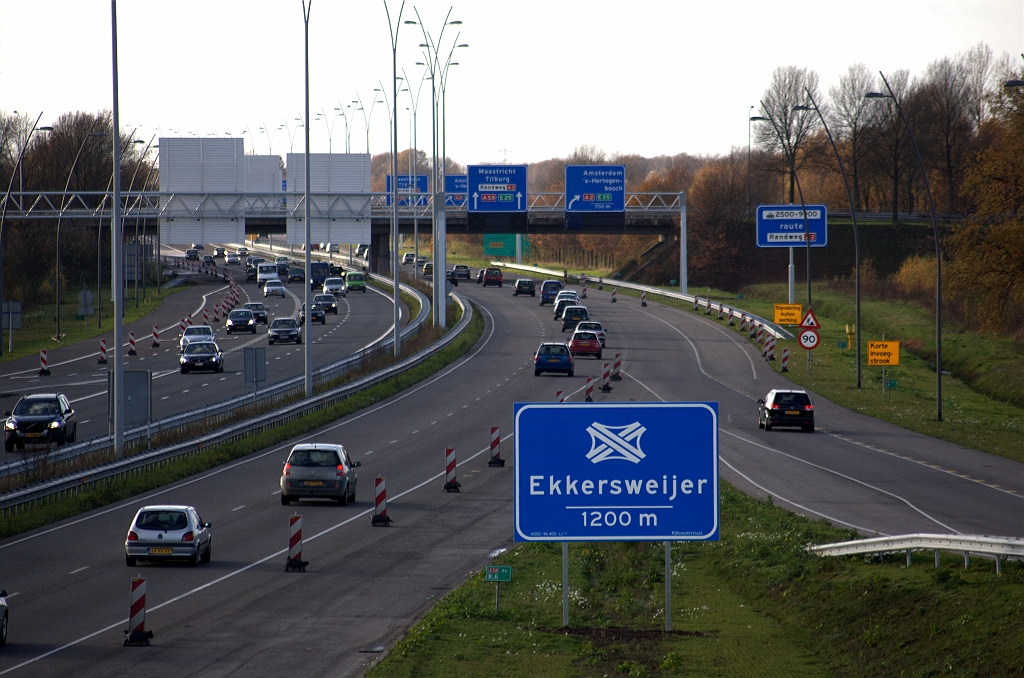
(585, 342)
(492, 276)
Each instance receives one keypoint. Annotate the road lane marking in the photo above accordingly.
(165, 397)
(81, 569)
(238, 508)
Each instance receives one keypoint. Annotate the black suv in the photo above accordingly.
(785, 408)
(284, 329)
(40, 419)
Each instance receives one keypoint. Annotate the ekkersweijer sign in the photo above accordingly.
(616, 471)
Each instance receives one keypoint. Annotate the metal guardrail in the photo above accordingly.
(996, 547)
(73, 483)
(217, 413)
(697, 301)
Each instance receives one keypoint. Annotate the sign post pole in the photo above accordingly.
(668, 586)
(565, 584)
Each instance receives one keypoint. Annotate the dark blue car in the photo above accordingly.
(553, 357)
(549, 290)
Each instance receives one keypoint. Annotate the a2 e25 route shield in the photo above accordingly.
(616, 471)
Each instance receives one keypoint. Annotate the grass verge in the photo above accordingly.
(754, 604)
(39, 323)
(221, 454)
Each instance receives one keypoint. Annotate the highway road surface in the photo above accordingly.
(243, 614)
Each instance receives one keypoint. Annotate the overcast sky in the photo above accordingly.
(537, 79)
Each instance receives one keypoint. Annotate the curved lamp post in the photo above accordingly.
(60, 214)
(393, 111)
(938, 244)
(856, 230)
(3, 214)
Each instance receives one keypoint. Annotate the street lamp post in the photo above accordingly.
(856, 230)
(749, 119)
(308, 286)
(3, 215)
(395, 264)
(60, 214)
(938, 243)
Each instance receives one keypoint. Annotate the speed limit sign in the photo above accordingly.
(809, 339)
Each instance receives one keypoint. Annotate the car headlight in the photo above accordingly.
(251, 321)
(11, 425)
(55, 424)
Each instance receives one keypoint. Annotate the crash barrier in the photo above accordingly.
(380, 503)
(44, 370)
(995, 547)
(137, 635)
(217, 420)
(450, 482)
(656, 292)
(496, 459)
(295, 563)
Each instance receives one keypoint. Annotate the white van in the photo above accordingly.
(266, 271)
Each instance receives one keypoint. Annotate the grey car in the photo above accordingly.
(319, 471)
(168, 532)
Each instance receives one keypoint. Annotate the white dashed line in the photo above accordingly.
(239, 508)
(81, 569)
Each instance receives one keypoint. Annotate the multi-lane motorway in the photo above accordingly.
(243, 614)
(361, 320)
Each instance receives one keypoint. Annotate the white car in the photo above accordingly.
(273, 287)
(592, 326)
(242, 251)
(232, 258)
(334, 286)
(408, 258)
(168, 533)
(567, 294)
(194, 334)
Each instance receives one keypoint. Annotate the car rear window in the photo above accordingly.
(162, 520)
(313, 458)
(584, 336)
(553, 350)
(791, 399)
(551, 286)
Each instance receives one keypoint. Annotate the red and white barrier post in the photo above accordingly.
(295, 563)
(131, 344)
(156, 336)
(496, 459)
(206, 317)
(769, 351)
(613, 294)
(583, 283)
(190, 320)
(743, 323)
(450, 483)
(590, 390)
(606, 376)
(44, 371)
(102, 360)
(137, 635)
(643, 298)
(721, 310)
(732, 318)
(600, 283)
(785, 360)
(616, 364)
(559, 396)
(696, 302)
(380, 503)
(181, 326)
(707, 309)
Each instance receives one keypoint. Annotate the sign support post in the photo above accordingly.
(565, 584)
(668, 586)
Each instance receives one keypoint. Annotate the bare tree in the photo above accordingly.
(794, 127)
(889, 143)
(979, 74)
(947, 122)
(850, 115)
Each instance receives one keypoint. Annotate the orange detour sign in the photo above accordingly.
(788, 314)
(883, 353)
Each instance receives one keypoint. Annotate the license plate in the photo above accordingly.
(314, 483)
(552, 360)
(792, 412)
(160, 552)
(33, 435)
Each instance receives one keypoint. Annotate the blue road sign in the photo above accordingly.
(455, 190)
(496, 188)
(783, 225)
(406, 186)
(616, 471)
(595, 188)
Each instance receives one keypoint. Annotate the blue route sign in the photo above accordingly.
(616, 471)
(595, 188)
(496, 188)
(783, 225)
(407, 186)
(455, 189)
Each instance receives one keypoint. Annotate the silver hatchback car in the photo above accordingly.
(168, 532)
(319, 471)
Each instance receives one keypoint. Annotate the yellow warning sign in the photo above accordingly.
(788, 314)
(883, 353)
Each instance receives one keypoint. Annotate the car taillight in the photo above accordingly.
(776, 407)
(188, 536)
(341, 470)
(536, 358)
(287, 469)
(132, 536)
(809, 408)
